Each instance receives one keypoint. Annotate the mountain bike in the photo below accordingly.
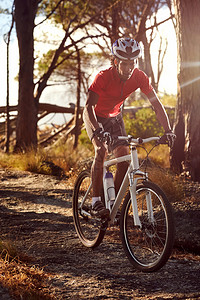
(146, 220)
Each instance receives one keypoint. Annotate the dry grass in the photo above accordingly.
(8, 251)
(159, 155)
(63, 156)
(24, 282)
(169, 183)
(159, 172)
(29, 161)
(21, 280)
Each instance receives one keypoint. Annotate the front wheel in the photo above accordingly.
(90, 229)
(148, 247)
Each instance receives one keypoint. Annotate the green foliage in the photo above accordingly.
(169, 100)
(67, 63)
(75, 10)
(85, 141)
(144, 123)
(44, 62)
(4, 11)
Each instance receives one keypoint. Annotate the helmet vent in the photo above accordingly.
(126, 49)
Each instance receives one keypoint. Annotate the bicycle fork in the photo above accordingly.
(132, 187)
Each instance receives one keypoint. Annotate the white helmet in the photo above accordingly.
(126, 49)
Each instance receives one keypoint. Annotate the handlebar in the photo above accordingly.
(139, 140)
(108, 139)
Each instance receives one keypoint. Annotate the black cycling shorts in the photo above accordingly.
(114, 125)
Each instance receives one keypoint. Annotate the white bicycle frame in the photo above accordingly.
(131, 180)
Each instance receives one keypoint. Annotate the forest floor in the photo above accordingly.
(36, 216)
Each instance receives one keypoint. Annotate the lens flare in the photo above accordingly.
(190, 64)
(190, 82)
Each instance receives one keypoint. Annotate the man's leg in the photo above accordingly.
(97, 167)
(120, 150)
(98, 207)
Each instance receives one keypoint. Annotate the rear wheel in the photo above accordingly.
(91, 230)
(149, 247)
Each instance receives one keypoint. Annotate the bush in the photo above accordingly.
(85, 141)
(145, 124)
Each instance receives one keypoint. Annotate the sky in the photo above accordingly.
(168, 82)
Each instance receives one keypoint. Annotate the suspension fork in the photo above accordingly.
(132, 189)
(149, 207)
(133, 183)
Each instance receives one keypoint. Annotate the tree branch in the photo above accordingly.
(50, 14)
(159, 23)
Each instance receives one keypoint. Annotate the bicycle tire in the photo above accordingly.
(90, 230)
(148, 248)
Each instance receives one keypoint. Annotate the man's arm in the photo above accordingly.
(89, 112)
(159, 110)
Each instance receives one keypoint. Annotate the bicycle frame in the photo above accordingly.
(129, 179)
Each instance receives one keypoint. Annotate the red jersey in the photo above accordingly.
(113, 91)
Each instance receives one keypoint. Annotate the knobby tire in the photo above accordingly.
(148, 248)
(90, 230)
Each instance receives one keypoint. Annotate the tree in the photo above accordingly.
(26, 131)
(72, 14)
(185, 154)
(7, 41)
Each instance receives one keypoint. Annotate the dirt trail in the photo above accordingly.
(35, 213)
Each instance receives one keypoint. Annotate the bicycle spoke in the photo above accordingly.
(148, 247)
(89, 229)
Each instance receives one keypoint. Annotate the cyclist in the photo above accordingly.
(102, 112)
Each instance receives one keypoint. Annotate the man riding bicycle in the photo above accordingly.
(102, 112)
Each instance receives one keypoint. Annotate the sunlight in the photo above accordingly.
(189, 82)
(190, 64)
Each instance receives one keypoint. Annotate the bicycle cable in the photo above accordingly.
(146, 159)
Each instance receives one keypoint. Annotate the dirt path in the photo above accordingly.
(35, 213)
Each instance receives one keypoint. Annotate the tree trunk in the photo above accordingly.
(147, 61)
(141, 35)
(26, 131)
(186, 151)
(77, 110)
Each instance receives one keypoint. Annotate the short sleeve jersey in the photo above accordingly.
(113, 91)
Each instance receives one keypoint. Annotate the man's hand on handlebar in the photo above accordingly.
(103, 136)
(168, 138)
